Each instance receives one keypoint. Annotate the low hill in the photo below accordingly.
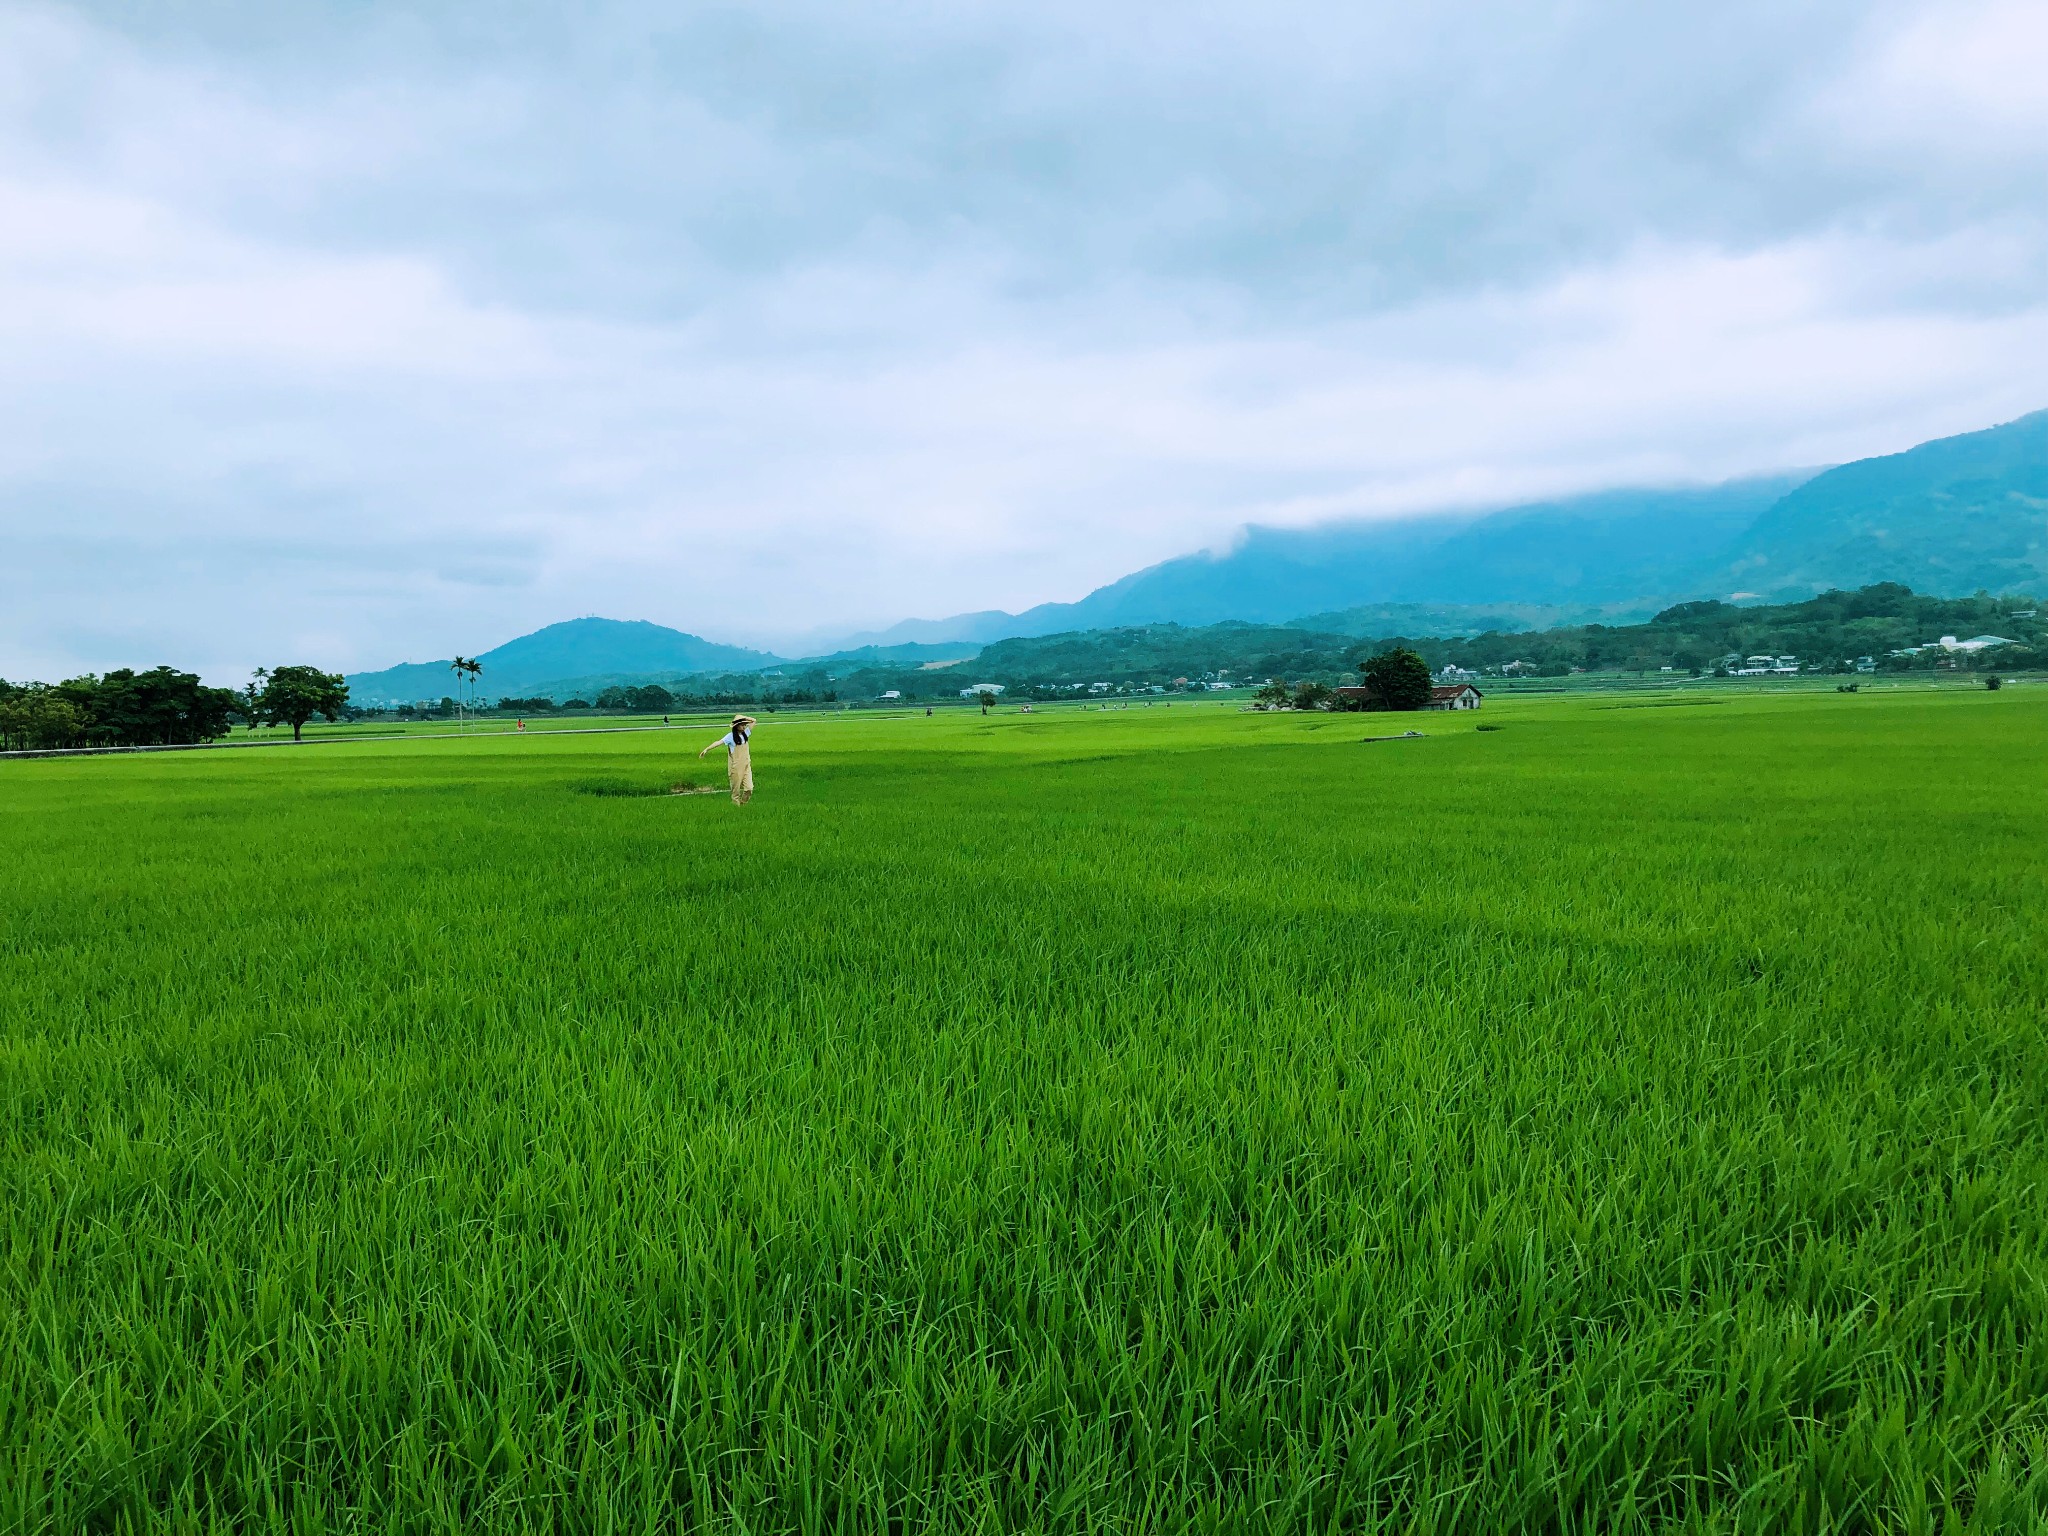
(574, 649)
(1160, 653)
(907, 654)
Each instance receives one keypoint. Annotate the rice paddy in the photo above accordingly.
(1622, 1119)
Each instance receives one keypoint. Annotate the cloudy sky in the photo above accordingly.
(356, 334)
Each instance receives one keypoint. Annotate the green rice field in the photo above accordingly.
(1599, 1114)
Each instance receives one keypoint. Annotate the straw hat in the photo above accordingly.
(746, 720)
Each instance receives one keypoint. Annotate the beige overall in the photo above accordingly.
(739, 773)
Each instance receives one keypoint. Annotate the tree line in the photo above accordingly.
(162, 707)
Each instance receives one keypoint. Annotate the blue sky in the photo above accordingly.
(358, 334)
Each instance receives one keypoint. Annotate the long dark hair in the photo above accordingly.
(739, 734)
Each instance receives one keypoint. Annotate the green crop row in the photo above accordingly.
(1629, 1118)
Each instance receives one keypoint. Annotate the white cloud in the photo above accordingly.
(395, 342)
(1965, 76)
(108, 272)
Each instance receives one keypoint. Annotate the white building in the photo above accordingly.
(1951, 643)
(968, 693)
(1767, 666)
(1454, 696)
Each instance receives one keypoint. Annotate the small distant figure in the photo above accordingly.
(664, 719)
(739, 762)
(519, 726)
(927, 711)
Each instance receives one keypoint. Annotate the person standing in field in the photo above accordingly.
(739, 763)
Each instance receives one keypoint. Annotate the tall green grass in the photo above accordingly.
(1159, 1120)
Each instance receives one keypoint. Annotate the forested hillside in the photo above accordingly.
(1956, 515)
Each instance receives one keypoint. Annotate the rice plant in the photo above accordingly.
(1160, 1120)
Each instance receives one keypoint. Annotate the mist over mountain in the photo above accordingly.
(1574, 555)
(1946, 518)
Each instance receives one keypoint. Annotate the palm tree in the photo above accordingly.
(252, 696)
(465, 668)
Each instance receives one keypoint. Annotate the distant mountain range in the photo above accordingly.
(588, 655)
(576, 647)
(1949, 517)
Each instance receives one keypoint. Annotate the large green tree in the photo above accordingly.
(646, 699)
(294, 695)
(34, 716)
(1398, 678)
(162, 707)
